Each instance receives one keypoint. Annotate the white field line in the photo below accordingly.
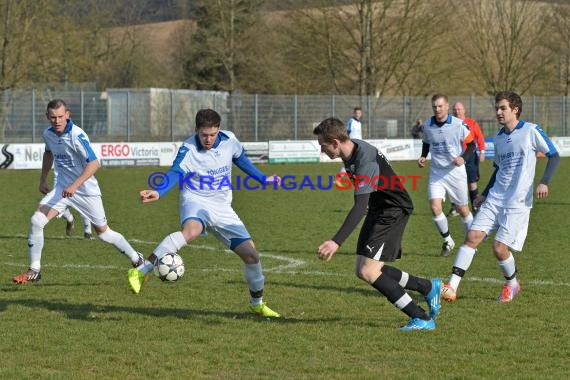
(290, 266)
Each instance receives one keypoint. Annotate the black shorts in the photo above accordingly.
(381, 235)
(472, 168)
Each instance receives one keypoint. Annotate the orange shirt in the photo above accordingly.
(476, 132)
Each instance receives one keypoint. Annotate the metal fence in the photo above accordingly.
(135, 115)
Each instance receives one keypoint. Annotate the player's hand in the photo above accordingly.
(421, 162)
(458, 161)
(481, 156)
(327, 250)
(148, 196)
(44, 188)
(541, 191)
(69, 191)
(478, 201)
(273, 179)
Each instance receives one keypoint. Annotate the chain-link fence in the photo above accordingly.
(135, 115)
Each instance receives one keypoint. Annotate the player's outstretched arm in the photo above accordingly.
(148, 196)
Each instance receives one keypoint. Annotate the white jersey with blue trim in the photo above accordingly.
(354, 128)
(208, 172)
(445, 141)
(71, 153)
(515, 159)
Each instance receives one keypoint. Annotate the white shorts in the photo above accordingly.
(511, 224)
(218, 218)
(451, 182)
(89, 206)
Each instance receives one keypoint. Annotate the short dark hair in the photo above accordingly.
(206, 118)
(331, 129)
(357, 108)
(440, 96)
(55, 104)
(513, 98)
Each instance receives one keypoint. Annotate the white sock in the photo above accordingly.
(253, 274)
(170, 244)
(463, 261)
(120, 243)
(146, 267)
(508, 269)
(404, 279)
(441, 223)
(467, 221)
(36, 239)
(86, 225)
(67, 215)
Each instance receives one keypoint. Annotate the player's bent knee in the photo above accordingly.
(100, 229)
(474, 238)
(39, 220)
(250, 257)
(366, 275)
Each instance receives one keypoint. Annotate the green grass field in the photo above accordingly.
(82, 322)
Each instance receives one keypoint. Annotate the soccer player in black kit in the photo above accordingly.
(387, 207)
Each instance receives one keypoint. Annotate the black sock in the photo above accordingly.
(393, 292)
(418, 284)
(473, 194)
(392, 272)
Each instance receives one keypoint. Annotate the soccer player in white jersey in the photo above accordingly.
(354, 125)
(203, 166)
(443, 137)
(354, 129)
(68, 149)
(507, 199)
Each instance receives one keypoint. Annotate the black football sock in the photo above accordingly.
(398, 297)
(408, 281)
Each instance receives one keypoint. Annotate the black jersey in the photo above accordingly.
(372, 173)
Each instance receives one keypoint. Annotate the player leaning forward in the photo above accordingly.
(68, 149)
(380, 238)
(507, 199)
(208, 155)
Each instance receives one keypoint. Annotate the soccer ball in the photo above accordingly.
(169, 267)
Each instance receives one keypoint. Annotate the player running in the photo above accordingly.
(68, 149)
(507, 199)
(380, 238)
(443, 137)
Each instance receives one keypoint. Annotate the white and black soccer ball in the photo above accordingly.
(169, 267)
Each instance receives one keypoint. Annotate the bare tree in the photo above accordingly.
(559, 45)
(18, 31)
(367, 48)
(501, 42)
(218, 52)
